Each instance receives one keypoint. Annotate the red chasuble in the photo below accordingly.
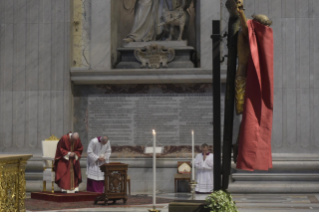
(255, 134)
(68, 172)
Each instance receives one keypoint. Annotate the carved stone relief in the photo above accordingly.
(154, 56)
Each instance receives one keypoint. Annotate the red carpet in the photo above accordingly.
(63, 197)
(41, 205)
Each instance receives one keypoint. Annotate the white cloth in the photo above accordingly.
(204, 173)
(96, 150)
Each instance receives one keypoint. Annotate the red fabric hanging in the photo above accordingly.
(254, 151)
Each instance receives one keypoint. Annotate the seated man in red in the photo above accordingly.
(67, 163)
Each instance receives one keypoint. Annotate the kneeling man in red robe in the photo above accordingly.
(67, 163)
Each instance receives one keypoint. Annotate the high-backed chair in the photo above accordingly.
(183, 172)
(48, 150)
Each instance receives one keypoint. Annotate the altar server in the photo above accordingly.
(67, 166)
(99, 152)
(204, 163)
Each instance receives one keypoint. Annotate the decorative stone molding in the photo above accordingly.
(154, 56)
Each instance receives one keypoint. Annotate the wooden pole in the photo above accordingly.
(216, 105)
(233, 28)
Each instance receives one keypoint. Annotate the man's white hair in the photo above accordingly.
(75, 135)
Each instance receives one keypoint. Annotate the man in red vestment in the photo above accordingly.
(255, 132)
(67, 163)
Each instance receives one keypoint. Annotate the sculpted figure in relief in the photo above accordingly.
(155, 17)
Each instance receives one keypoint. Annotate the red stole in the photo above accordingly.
(255, 133)
(68, 172)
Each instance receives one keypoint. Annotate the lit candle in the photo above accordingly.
(193, 167)
(154, 168)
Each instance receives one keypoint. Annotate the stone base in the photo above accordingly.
(184, 55)
(187, 206)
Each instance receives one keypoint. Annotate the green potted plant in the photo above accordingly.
(220, 201)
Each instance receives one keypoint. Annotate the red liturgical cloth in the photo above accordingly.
(254, 151)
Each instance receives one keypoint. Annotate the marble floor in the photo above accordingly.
(245, 203)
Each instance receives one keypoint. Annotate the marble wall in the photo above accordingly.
(34, 73)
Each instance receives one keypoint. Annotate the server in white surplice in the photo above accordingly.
(204, 163)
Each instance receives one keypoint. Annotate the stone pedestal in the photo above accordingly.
(184, 55)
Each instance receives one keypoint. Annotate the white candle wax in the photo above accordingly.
(154, 168)
(193, 167)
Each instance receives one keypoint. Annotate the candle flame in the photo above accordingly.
(154, 133)
(193, 132)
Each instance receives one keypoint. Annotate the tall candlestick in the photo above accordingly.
(154, 169)
(193, 167)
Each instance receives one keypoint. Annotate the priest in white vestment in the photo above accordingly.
(204, 163)
(98, 153)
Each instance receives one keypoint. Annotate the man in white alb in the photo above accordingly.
(204, 163)
(99, 152)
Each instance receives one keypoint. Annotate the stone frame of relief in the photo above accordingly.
(186, 50)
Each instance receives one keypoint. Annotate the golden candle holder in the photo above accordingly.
(193, 186)
(154, 210)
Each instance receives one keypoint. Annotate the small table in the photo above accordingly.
(115, 183)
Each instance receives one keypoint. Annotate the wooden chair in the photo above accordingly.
(182, 176)
(48, 150)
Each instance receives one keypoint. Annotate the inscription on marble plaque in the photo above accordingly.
(129, 119)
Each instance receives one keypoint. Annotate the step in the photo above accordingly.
(274, 187)
(275, 177)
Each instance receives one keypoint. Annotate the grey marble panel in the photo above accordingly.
(53, 11)
(7, 118)
(2, 12)
(67, 112)
(315, 9)
(31, 124)
(20, 11)
(9, 7)
(19, 53)
(277, 138)
(278, 52)
(209, 11)
(101, 35)
(316, 52)
(44, 124)
(8, 62)
(67, 10)
(40, 11)
(46, 12)
(33, 11)
(262, 7)
(53, 113)
(289, 34)
(60, 6)
(59, 56)
(291, 117)
(45, 59)
(302, 9)
(32, 57)
(275, 9)
(54, 55)
(304, 53)
(250, 7)
(311, 53)
(289, 8)
(59, 114)
(316, 117)
(304, 117)
(19, 118)
(297, 52)
(2, 102)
